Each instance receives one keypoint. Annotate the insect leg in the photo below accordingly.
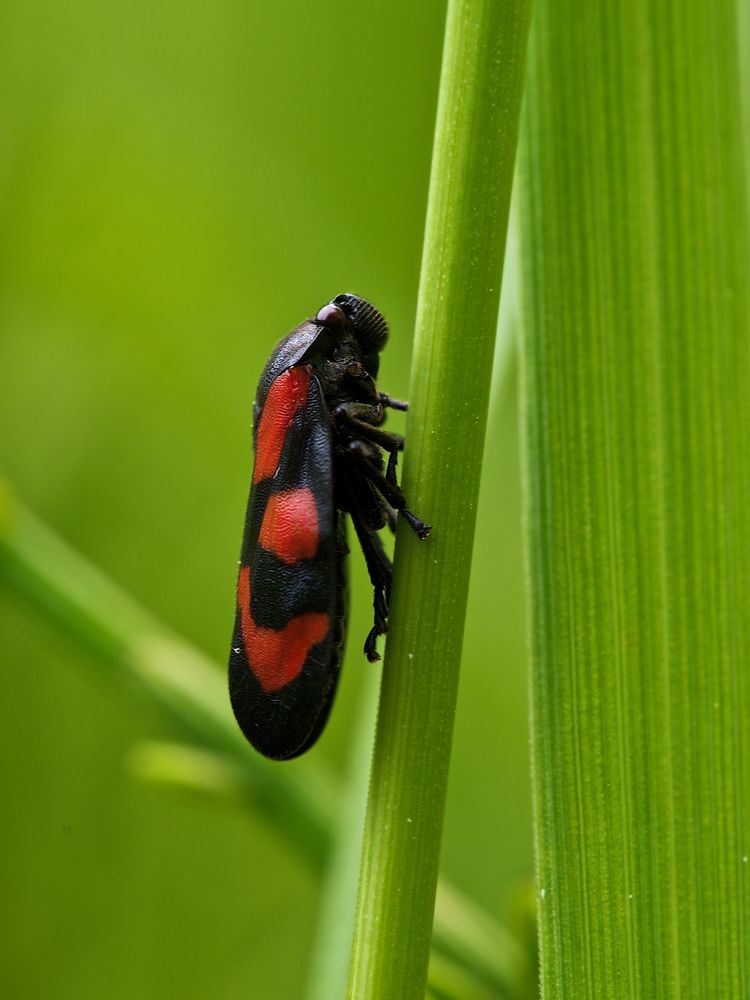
(374, 508)
(392, 443)
(365, 420)
(368, 413)
(390, 490)
(380, 571)
(388, 441)
(395, 404)
(390, 517)
(390, 472)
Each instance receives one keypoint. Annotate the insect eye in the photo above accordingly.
(331, 316)
(367, 324)
(355, 370)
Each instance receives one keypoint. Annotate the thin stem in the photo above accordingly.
(470, 187)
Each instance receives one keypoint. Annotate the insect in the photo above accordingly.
(319, 449)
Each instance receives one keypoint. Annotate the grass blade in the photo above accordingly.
(636, 359)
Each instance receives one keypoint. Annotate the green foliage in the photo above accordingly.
(179, 185)
(637, 426)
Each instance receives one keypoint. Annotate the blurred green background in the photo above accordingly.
(180, 184)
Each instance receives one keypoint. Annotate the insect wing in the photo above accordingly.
(288, 630)
(308, 339)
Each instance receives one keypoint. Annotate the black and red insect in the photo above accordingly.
(319, 449)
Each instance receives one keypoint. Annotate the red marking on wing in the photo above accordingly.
(287, 395)
(277, 657)
(290, 525)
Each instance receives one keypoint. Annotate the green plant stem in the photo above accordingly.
(329, 968)
(636, 359)
(472, 171)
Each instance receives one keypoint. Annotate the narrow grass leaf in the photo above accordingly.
(636, 365)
